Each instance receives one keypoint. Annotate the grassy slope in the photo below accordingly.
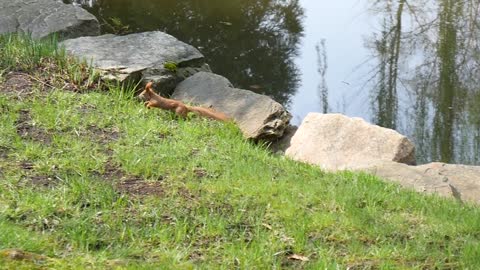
(95, 180)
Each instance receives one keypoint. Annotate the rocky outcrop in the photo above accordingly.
(137, 56)
(258, 116)
(454, 181)
(41, 18)
(149, 55)
(337, 142)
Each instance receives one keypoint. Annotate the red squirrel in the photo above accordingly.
(180, 108)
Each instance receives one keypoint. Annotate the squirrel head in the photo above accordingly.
(149, 85)
(146, 94)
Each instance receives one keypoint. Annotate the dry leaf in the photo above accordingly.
(297, 257)
(267, 226)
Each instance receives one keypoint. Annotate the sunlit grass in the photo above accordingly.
(217, 201)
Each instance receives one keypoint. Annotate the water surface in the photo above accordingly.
(414, 67)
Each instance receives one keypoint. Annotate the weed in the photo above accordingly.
(171, 66)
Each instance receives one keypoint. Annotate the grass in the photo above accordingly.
(91, 179)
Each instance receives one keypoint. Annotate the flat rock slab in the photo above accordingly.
(41, 18)
(258, 116)
(337, 142)
(136, 56)
(448, 180)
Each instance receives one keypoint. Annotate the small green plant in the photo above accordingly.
(171, 66)
(116, 26)
(123, 91)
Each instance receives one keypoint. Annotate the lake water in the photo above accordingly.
(414, 67)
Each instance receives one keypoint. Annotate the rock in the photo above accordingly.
(410, 177)
(258, 116)
(283, 143)
(140, 55)
(337, 142)
(453, 181)
(463, 180)
(41, 18)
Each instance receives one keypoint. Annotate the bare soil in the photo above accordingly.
(131, 184)
(26, 130)
(17, 84)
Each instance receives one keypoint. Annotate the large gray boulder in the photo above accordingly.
(136, 56)
(41, 18)
(337, 142)
(448, 180)
(258, 116)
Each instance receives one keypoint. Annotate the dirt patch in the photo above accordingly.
(4, 152)
(44, 181)
(17, 84)
(202, 244)
(200, 173)
(87, 108)
(27, 130)
(32, 178)
(131, 184)
(196, 256)
(112, 172)
(14, 254)
(97, 134)
(164, 135)
(140, 187)
(365, 264)
(103, 135)
(48, 76)
(26, 166)
(186, 194)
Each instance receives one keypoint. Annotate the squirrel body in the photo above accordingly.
(152, 99)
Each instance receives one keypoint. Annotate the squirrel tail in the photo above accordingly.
(208, 113)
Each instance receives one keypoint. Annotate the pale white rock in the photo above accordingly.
(337, 142)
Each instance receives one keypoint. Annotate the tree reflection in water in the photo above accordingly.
(441, 45)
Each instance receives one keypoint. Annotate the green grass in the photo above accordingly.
(91, 179)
